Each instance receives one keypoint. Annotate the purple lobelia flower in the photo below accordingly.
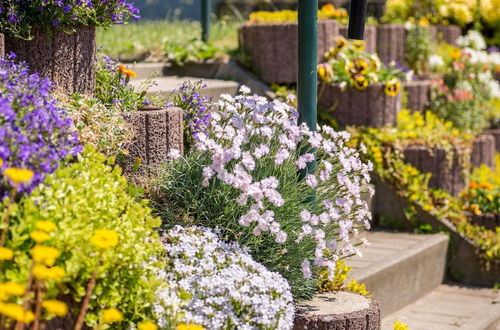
(35, 133)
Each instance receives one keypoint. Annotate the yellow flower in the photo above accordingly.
(55, 273)
(105, 238)
(359, 288)
(18, 175)
(184, 326)
(46, 226)
(1, 162)
(45, 255)
(340, 42)
(55, 307)
(358, 45)
(424, 22)
(10, 289)
(456, 53)
(147, 325)
(392, 87)
(360, 82)
(358, 66)
(375, 63)
(398, 325)
(474, 208)
(428, 207)
(6, 254)
(489, 197)
(324, 72)
(16, 312)
(111, 315)
(39, 236)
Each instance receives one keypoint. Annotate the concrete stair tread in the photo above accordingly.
(450, 307)
(166, 84)
(399, 268)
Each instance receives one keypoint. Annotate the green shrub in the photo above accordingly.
(84, 197)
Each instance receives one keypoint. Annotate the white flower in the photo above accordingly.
(435, 61)
(311, 180)
(174, 154)
(226, 287)
(245, 90)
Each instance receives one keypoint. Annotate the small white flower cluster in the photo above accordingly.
(474, 47)
(249, 134)
(223, 287)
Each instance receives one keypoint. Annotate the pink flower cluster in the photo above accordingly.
(250, 135)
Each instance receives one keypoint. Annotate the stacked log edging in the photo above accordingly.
(268, 46)
(338, 310)
(66, 59)
(496, 135)
(391, 40)
(483, 151)
(370, 37)
(418, 94)
(370, 107)
(447, 173)
(448, 33)
(488, 220)
(156, 132)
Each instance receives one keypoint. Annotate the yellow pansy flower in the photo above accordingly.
(46, 226)
(392, 87)
(18, 175)
(45, 255)
(39, 236)
(6, 254)
(358, 45)
(360, 82)
(55, 307)
(112, 315)
(105, 238)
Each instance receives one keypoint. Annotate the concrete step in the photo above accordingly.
(164, 86)
(399, 268)
(451, 307)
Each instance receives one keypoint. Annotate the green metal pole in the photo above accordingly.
(307, 87)
(206, 11)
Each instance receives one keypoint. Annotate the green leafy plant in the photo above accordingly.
(418, 49)
(384, 148)
(100, 239)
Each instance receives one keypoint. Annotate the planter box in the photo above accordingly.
(448, 33)
(370, 37)
(463, 257)
(483, 151)
(370, 107)
(418, 94)
(445, 174)
(2, 46)
(272, 48)
(156, 131)
(67, 59)
(391, 40)
(338, 310)
(487, 220)
(496, 135)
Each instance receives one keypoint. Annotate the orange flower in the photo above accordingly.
(455, 53)
(473, 185)
(486, 185)
(127, 72)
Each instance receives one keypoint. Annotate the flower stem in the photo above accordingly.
(38, 308)
(86, 301)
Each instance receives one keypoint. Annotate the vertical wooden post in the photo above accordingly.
(206, 11)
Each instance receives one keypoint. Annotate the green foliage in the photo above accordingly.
(182, 199)
(86, 196)
(418, 48)
(385, 150)
(177, 42)
(98, 125)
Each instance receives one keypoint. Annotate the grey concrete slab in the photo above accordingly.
(450, 307)
(164, 86)
(400, 267)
